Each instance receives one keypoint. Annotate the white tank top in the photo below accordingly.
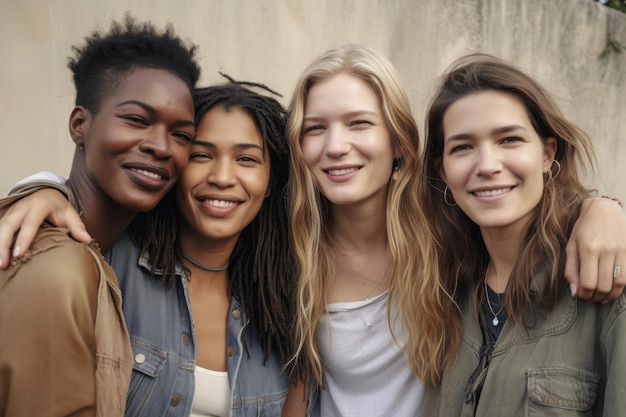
(212, 394)
(366, 374)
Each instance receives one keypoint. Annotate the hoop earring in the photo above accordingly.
(558, 168)
(445, 198)
(549, 174)
(548, 177)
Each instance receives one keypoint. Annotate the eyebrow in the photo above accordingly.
(153, 112)
(237, 146)
(497, 131)
(355, 113)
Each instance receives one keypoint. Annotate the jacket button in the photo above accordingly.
(185, 339)
(140, 358)
(174, 401)
(236, 314)
(230, 351)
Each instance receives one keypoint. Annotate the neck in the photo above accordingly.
(203, 253)
(359, 231)
(104, 220)
(503, 248)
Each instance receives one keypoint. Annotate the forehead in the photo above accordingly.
(234, 126)
(343, 92)
(482, 110)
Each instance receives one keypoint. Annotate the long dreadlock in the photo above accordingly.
(261, 272)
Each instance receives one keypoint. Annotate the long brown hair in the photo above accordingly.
(462, 256)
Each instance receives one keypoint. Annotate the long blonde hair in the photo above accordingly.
(407, 230)
(463, 256)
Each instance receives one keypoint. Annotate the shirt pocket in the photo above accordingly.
(147, 364)
(561, 392)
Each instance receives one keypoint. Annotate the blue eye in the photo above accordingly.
(460, 148)
(313, 128)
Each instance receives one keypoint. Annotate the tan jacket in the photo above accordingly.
(64, 347)
(572, 362)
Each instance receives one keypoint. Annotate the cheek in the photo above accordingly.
(180, 156)
(261, 183)
(311, 151)
(191, 177)
(452, 172)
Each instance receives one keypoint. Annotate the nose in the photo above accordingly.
(337, 142)
(221, 173)
(489, 161)
(157, 143)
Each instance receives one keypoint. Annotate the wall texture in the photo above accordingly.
(270, 41)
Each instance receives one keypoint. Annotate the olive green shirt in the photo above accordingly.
(572, 362)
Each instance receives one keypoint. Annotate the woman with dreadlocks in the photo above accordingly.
(207, 304)
(206, 276)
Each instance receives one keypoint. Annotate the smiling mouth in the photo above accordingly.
(491, 193)
(220, 203)
(148, 173)
(342, 171)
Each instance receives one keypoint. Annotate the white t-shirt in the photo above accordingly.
(366, 374)
(211, 395)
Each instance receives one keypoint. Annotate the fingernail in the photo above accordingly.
(16, 251)
(572, 289)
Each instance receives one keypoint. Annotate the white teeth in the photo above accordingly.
(220, 203)
(341, 171)
(149, 174)
(491, 193)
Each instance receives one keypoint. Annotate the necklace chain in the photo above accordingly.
(204, 267)
(495, 320)
(378, 283)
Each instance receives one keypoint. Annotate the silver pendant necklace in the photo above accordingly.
(495, 320)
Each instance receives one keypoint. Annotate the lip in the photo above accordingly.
(149, 176)
(218, 205)
(341, 173)
(492, 192)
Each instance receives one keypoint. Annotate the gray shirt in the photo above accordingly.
(366, 373)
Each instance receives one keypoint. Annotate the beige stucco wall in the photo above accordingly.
(270, 41)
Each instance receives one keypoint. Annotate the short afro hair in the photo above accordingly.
(105, 60)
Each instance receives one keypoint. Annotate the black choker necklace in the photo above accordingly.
(204, 267)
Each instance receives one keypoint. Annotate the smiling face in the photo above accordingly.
(224, 185)
(137, 144)
(345, 142)
(494, 160)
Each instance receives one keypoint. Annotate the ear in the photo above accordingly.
(549, 153)
(80, 120)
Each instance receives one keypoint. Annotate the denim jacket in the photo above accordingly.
(160, 324)
(571, 362)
